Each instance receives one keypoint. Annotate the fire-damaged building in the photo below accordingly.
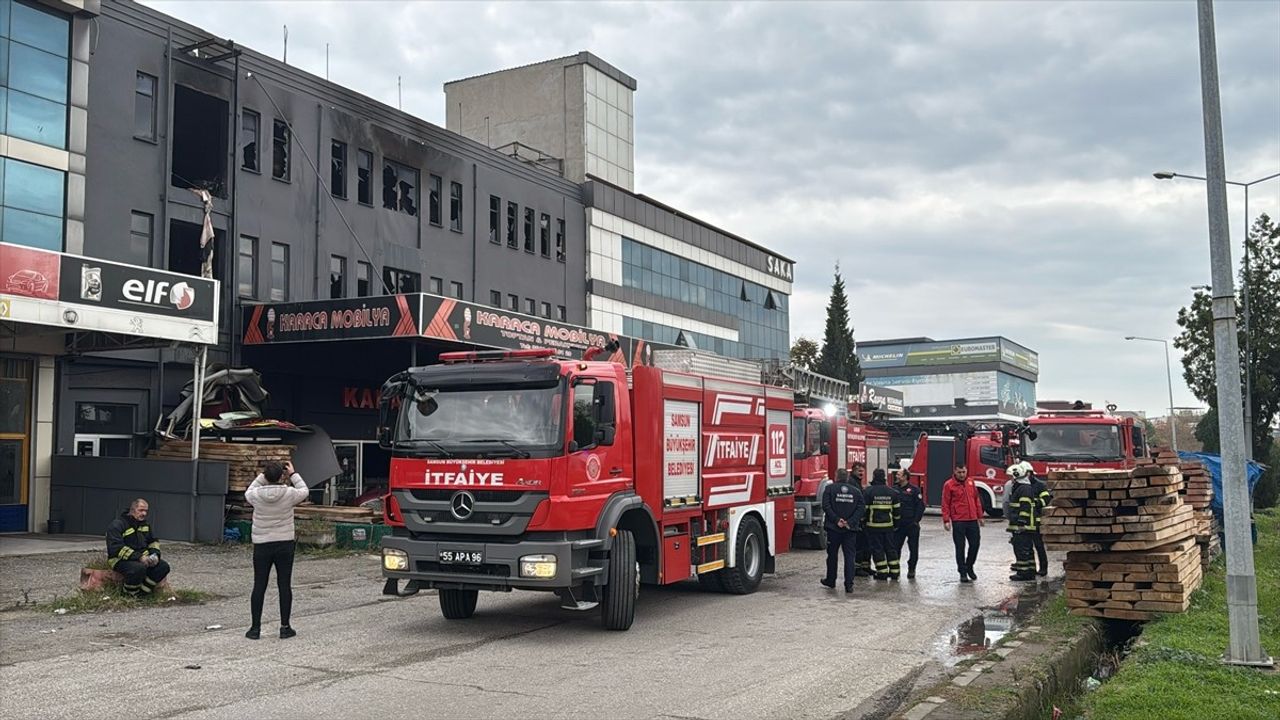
(345, 240)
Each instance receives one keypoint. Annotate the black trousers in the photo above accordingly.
(139, 578)
(265, 556)
(909, 534)
(864, 553)
(1024, 558)
(846, 541)
(1038, 541)
(962, 532)
(884, 552)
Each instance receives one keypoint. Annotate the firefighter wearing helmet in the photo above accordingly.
(1023, 509)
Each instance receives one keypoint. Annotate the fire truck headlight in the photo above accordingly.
(538, 566)
(801, 513)
(393, 559)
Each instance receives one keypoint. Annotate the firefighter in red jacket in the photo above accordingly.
(134, 552)
(962, 515)
(884, 512)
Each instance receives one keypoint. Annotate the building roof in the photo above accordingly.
(582, 58)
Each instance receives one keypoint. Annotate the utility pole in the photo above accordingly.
(1245, 646)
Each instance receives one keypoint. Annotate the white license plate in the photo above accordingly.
(462, 557)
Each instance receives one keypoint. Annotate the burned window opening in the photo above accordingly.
(455, 207)
(401, 281)
(513, 213)
(199, 141)
(364, 177)
(399, 187)
(495, 219)
(338, 170)
(528, 230)
(544, 235)
(364, 279)
(280, 147)
(560, 249)
(186, 255)
(337, 276)
(437, 186)
(250, 122)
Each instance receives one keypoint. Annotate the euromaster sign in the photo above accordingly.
(955, 352)
(427, 316)
(82, 294)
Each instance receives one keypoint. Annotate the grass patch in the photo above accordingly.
(1174, 671)
(983, 698)
(114, 600)
(1055, 622)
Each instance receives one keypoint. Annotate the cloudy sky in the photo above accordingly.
(975, 168)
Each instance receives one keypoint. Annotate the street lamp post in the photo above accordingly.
(1244, 309)
(1168, 371)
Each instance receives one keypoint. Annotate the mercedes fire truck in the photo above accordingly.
(519, 470)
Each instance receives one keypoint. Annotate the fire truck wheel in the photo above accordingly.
(745, 578)
(712, 582)
(619, 607)
(458, 604)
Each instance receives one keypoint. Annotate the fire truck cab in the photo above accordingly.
(521, 470)
(1071, 439)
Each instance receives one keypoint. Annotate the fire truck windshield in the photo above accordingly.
(1073, 441)
(459, 422)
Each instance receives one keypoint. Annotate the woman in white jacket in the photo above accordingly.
(273, 499)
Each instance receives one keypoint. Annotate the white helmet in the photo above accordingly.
(1019, 471)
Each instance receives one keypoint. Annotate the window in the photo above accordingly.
(584, 415)
(560, 240)
(338, 170)
(104, 430)
(513, 212)
(399, 187)
(32, 206)
(436, 185)
(279, 271)
(33, 74)
(513, 303)
(139, 250)
(280, 150)
(528, 230)
(560, 313)
(364, 177)
(455, 290)
(144, 107)
(247, 267)
(364, 279)
(249, 121)
(455, 207)
(401, 281)
(546, 310)
(544, 235)
(199, 141)
(993, 455)
(495, 298)
(435, 285)
(495, 219)
(337, 276)
(530, 306)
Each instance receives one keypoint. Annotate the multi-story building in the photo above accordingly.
(653, 271)
(343, 239)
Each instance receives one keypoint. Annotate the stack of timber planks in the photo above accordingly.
(307, 511)
(244, 460)
(1130, 540)
(1198, 493)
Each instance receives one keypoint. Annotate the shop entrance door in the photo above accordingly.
(15, 442)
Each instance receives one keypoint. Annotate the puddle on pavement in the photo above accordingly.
(979, 633)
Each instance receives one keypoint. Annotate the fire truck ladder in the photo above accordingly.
(806, 383)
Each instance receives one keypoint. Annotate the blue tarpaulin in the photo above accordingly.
(1213, 463)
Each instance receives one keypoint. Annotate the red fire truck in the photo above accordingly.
(985, 450)
(1070, 439)
(521, 470)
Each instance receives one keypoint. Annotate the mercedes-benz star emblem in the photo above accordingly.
(462, 504)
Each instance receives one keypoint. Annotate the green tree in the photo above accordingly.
(839, 357)
(1262, 284)
(1207, 432)
(804, 353)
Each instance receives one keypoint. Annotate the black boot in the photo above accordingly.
(828, 583)
(287, 632)
(964, 575)
(972, 575)
(253, 633)
(911, 572)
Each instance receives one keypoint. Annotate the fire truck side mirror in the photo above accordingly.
(605, 434)
(388, 401)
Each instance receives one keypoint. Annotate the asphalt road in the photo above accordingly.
(793, 649)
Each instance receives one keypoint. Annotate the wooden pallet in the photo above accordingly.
(244, 460)
(314, 512)
(1118, 510)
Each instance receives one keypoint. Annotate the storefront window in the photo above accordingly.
(15, 407)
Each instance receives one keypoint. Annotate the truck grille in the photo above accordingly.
(502, 496)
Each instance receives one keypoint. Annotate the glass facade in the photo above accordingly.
(762, 313)
(32, 204)
(609, 128)
(34, 73)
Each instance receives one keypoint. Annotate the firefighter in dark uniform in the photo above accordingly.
(842, 511)
(1041, 493)
(134, 552)
(884, 511)
(864, 545)
(1022, 509)
(912, 513)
